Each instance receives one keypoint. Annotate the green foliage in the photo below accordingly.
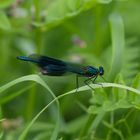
(90, 32)
(4, 22)
(117, 33)
(6, 3)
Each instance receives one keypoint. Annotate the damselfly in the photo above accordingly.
(54, 67)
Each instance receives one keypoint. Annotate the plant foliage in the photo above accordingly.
(91, 32)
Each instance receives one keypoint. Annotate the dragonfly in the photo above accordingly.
(55, 67)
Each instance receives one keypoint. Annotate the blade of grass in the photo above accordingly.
(83, 88)
(118, 42)
(73, 91)
(96, 122)
(14, 95)
(38, 80)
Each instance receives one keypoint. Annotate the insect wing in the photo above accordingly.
(50, 66)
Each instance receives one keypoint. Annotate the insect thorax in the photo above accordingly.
(90, 71)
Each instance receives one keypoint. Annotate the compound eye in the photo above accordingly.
(101, 73)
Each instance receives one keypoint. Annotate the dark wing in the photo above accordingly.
(50, 66)
(47, 65)
(53, 67)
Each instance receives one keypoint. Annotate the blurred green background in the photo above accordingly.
(90, 32)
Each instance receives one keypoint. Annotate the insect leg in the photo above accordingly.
(77, 82)
(86, 83)
(96, 83)
(95, 77)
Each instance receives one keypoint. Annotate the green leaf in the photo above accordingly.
(136, 81)
(118, 42)
(119, 99)
(60, 10)
(4, 22)
(74, 125)
(98, 97)
(109, 106)
(74, 5)
(131, 65)
(8, 98)
(37, 79)
(124, 104)
(119, 94)
(95, 109)
(135, 99)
